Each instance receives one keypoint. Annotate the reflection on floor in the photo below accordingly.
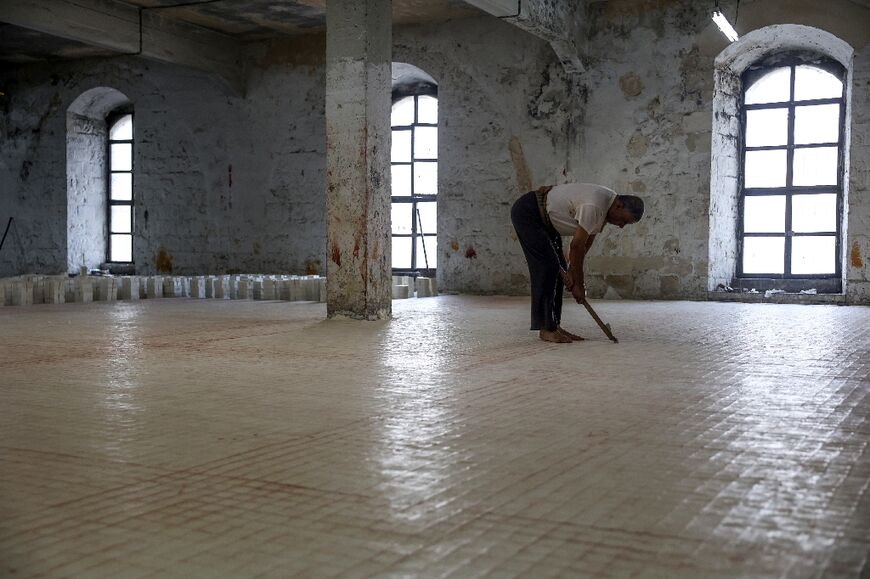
(217, 438)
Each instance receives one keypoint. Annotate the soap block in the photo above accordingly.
(154, 287)
(243, 288)
(400, 292)
(197, 287)
(54, 291)
(169, 289)
(129, 288)
(424, 289)
(22, 293)
(83, 290)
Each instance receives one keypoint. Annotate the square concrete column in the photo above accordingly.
(358, 59)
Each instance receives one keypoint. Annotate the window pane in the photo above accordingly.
(764, 214)
(121, 219)
(766, 127)
(426, 142)
(427, 110)
(763, 254)
(122, 248)
(403, 112)
(813, 255)
(429, 216)
(430, 258)
(401, 252)
(814, 213)
(815, 166)
(122, 130)
(425, 178)
(122, 186)
(401, 148)
(122, 157)
(401, 217)
(773, 87)
(765, 168)
(401, 180)
(814, 83)
(817, 124)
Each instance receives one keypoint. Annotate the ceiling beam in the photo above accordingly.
(125, 29)
(552, 20)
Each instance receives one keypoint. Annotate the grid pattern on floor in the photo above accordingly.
(186, 438)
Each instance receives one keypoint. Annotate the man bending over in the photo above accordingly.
(541, 218)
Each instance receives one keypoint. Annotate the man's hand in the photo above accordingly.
(579, 293)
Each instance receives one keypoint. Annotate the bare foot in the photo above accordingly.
(569, 335)
(554, 336)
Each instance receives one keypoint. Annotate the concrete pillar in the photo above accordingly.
(358, 60)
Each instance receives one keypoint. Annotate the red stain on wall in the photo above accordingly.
(163, 261)
(336, 254)
(470, 253)
(855, 255)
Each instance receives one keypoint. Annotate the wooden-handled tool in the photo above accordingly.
(604, 327)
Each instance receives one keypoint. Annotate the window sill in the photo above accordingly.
(783, 298)
(119, 268)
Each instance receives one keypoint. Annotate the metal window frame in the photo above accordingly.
(830, 282)
(111, 119)
(413, 199)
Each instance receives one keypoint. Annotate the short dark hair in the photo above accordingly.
(633, 205)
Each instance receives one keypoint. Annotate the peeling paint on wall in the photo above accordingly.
(630, 84)
(855, 256)
(524, 175)
(163, 261)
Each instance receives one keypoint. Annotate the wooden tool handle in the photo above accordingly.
(604, 327)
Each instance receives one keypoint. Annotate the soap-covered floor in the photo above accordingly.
(241, 439)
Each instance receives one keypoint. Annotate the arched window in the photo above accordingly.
(414, 161)
(779, 194)
(120, 188)
(99, 159)
(791, 194)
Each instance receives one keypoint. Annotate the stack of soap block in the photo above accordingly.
(57, 289)
(406, 286)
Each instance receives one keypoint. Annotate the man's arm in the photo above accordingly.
(580, 244)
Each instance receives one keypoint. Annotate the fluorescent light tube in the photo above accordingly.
(725, 26)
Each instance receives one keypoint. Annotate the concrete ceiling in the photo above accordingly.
(243, 20)
(259, 19)
(22, 45)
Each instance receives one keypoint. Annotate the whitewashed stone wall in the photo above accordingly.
(231, 183)
(647, 131)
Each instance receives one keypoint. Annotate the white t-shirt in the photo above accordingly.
(579, 205)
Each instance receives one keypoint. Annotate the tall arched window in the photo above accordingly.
(792, 172)
(414, 160)
(120, 188)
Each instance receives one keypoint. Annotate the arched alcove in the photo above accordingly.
(86, 158)
(725, 171)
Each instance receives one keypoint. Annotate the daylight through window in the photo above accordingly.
(415, 183)
(120, 186)
(792, 180)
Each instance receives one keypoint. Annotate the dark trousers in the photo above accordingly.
(542, 246)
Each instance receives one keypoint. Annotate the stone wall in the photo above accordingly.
(647, 131)
(86, 185)
(223, 183)
(235, 183)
